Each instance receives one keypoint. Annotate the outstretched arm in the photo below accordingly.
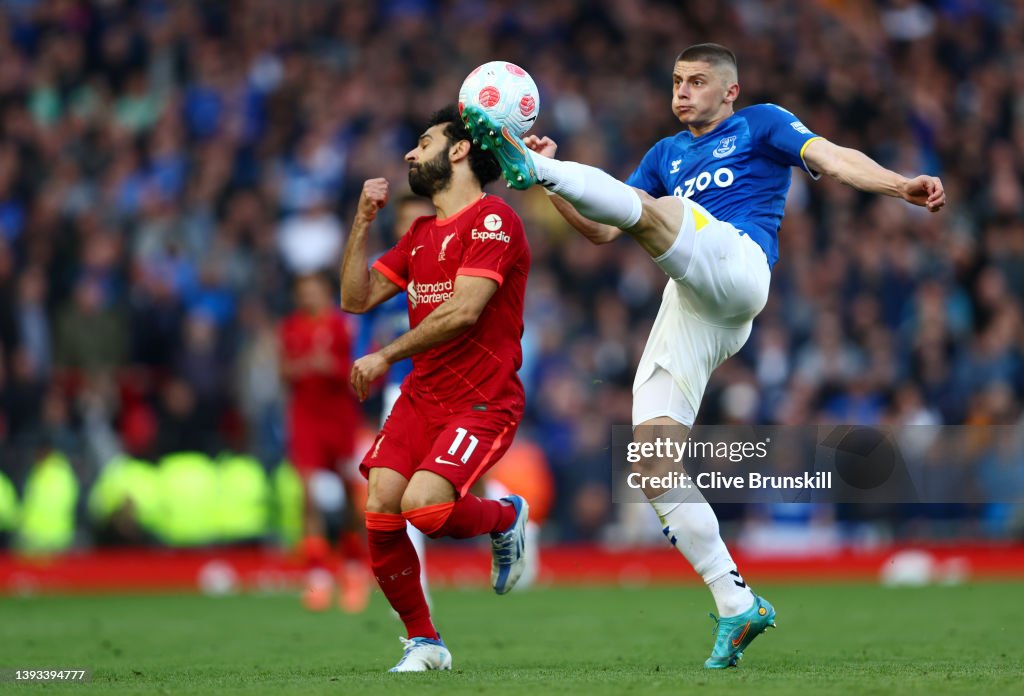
(363, 288)
(596, 232)
(856, 169)
(455, 316)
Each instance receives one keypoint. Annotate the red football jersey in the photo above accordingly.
(318, 395)
(484, 239)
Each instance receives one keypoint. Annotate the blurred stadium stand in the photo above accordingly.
(160, 163)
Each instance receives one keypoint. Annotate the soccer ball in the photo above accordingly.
(505, 91)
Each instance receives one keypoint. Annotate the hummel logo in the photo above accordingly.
(675, 166)
(444, 461)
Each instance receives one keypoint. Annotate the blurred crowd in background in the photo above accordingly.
(167, 168)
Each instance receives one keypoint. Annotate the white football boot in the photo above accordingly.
(508, 549)
(423, 655)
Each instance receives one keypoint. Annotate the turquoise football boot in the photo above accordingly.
(734, 633)
(513, 157)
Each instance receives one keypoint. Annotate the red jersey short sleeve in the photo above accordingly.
(494, 243)
(394, 263)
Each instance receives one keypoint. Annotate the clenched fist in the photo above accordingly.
(367, 369)
(373, 197)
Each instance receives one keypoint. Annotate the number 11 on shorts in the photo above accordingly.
(460, 435)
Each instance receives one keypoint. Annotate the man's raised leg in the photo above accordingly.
(429, 504)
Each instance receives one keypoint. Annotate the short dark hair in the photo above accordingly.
(484, 165)
(715, 54)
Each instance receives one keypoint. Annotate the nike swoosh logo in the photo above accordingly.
(444, 461)
(513, 143)
(736, 641)
(511, 140)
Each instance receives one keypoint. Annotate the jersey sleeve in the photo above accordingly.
(493, 245)
(393, 264)
(781, 137)
(646, 175)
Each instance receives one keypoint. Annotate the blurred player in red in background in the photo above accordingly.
(464, 270)
(323, 416)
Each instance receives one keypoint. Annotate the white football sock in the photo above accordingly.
(690, 525)
(597, 195)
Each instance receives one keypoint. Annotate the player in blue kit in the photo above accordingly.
(706, 204)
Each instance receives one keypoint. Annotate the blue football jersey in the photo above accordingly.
(739, 172)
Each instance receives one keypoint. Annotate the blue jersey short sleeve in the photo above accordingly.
(647, 175)
(780, 136)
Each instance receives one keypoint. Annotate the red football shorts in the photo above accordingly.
(459, 447)
(314, 446)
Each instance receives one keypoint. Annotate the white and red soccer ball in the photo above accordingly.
(505, 91)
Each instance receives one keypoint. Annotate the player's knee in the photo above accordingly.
(429, 519)
(426, 489)
(419, 497)
(656, 467)
(391, 505)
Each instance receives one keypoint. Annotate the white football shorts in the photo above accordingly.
(718, 282)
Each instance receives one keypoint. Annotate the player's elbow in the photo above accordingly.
(350, 305)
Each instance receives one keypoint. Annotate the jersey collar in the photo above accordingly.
(457, 214)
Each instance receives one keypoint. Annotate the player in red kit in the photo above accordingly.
(322, 421)
(464, 270)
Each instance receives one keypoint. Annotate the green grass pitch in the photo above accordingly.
(840, 639)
